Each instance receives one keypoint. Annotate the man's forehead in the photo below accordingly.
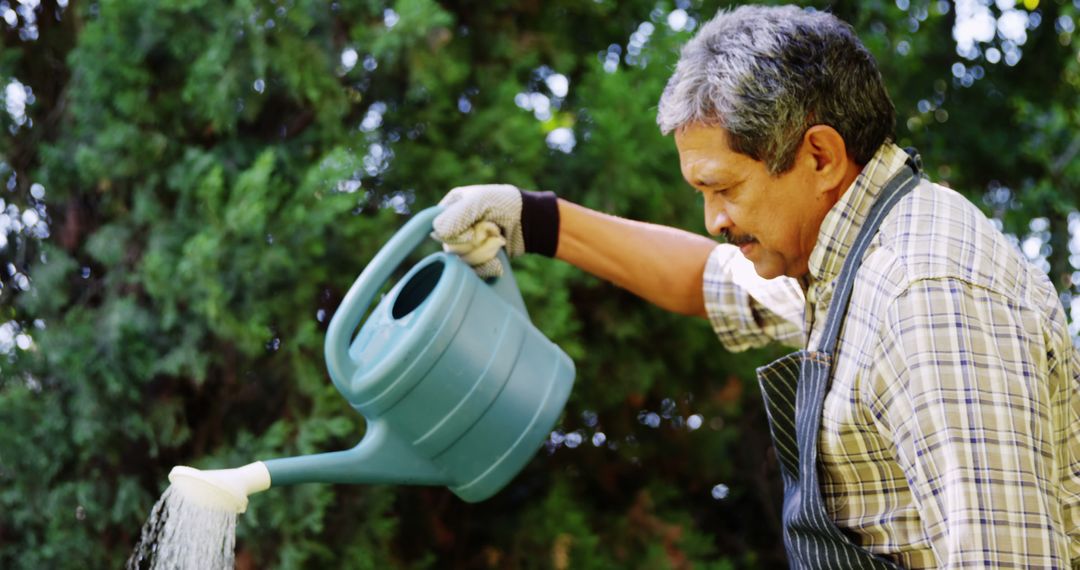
(704, 150)
(702, 133)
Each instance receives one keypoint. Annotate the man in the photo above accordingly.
(933, 418)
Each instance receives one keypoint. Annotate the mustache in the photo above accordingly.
(737, 240)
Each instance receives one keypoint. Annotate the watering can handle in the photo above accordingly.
(360, 296)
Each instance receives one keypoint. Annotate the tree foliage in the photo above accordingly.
(191, 186)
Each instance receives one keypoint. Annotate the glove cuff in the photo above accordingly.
(540, 222)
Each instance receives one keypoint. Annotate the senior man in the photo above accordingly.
(931, 418)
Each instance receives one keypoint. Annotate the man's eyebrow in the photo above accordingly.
(709, 176)
(697, 183)
(710, 180)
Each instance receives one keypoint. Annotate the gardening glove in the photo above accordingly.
(478, 220)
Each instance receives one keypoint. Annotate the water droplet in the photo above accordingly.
(464, 105)
(573, 439)
(598, 439)
(390, 18)
(558, 84)
(677, 19)
(259, 86)
(349, 57)
(85, 272)
(720, 492)
(561, 139)
(273, 344)
(694, 422)
(270, 239)
(667, 408)
(349, 186)
(611, 63)
(80, 513)
(320, 315)
(590, 418)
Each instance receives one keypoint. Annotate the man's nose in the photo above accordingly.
(716, 218)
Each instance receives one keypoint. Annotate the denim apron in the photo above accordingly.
(794, 389)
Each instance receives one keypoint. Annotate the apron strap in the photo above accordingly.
(897, 187)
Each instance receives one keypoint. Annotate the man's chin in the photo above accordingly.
(769, 274)
(768, 268)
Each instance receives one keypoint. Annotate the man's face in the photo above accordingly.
(773, 220)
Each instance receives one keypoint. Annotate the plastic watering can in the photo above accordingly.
(456, 384)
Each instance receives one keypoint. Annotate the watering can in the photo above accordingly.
(458, 388)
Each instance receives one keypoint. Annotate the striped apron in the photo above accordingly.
(794, 389)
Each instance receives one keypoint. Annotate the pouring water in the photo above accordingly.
(181, 534)
(193, 524)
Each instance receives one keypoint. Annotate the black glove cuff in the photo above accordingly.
(540, 222)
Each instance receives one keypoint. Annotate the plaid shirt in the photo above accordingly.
(950, 435)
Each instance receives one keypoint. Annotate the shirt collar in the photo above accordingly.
(844, 220)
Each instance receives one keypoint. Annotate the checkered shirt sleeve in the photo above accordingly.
(968, 388)
(747, 311)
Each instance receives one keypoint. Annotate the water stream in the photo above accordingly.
(183, 535)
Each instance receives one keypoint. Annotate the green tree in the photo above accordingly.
(191, 186)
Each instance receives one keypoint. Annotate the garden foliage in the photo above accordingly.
(207, 179)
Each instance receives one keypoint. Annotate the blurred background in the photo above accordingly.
(188, 187)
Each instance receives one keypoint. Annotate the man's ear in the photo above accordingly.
(826, 154)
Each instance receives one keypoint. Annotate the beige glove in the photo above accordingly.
(477, 221)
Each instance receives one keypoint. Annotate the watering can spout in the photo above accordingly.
(381, 457)
(221, 489)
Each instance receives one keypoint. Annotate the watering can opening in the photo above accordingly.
(417, 289)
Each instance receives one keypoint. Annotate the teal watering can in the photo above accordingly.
(458, 387)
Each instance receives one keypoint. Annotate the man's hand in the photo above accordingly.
(477, 221)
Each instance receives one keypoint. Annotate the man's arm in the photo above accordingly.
(676, 270)
(660, 264)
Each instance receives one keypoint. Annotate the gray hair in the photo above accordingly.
(767, 74)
